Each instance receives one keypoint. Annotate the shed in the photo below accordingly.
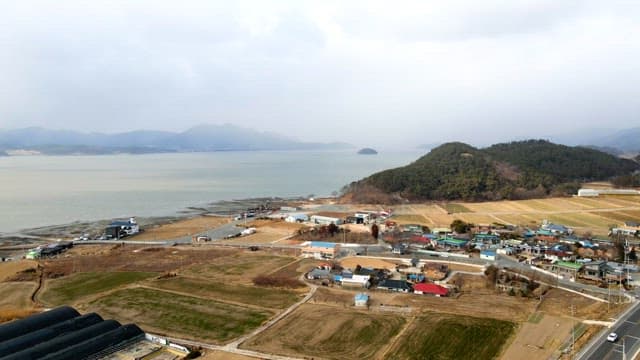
(430, 289)
(361, 299)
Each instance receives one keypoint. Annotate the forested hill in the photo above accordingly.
(517, 170)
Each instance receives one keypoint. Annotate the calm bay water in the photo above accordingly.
(48, 190)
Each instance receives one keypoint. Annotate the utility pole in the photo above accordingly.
(572, 308)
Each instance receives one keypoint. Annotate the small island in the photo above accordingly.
(367, 151)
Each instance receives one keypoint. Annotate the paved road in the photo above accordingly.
(628, 329)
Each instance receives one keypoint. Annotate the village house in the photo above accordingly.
(488, 255)
(320, 250)
(567, 269)
(430, 289)
(594, 270)
(395, 285)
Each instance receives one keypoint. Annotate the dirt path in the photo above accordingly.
(34, 296)
(383, 353)
(268, 324)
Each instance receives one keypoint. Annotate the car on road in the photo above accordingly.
(612, 337)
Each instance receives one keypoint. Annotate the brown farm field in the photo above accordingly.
(238, 268)
(539, 339)
(327, 332)
(181, 228)
(593, 215)
(10, 268)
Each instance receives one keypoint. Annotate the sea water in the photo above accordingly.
(47, 190)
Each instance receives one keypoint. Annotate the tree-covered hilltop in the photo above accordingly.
(525, 169)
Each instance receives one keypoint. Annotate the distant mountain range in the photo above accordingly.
(200, 138)
(615, 142)
(516, 170)
(612, 141)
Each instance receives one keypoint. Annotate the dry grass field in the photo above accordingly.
(215, 302)
(441, 336)
(10, 268)
(222, 355)
(593, 215)
(238, 268)
(73, 288)
(327, 332)
(16, 295)
(267, 232)
(539, 340)
(181, 228)
(273, 299)
(178, 315)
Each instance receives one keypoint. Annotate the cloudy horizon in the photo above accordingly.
(392, 73)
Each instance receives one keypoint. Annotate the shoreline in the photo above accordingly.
(68, 231)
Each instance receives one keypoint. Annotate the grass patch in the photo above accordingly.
(252, 295)
(440, 336)
(536, 317)
(453, 208)
(317, 331)
(238, 268)
(179, 315)
(73, 287)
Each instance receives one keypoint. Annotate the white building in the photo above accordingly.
(325, 220)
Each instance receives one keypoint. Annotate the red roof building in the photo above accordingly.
(431, 289)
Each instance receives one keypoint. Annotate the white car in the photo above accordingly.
(612, 337)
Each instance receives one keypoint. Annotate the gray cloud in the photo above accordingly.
(390, 73)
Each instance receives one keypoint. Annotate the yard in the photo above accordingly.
(443, 336)
(178, 315)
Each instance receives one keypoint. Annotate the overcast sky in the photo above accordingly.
(370, 72)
